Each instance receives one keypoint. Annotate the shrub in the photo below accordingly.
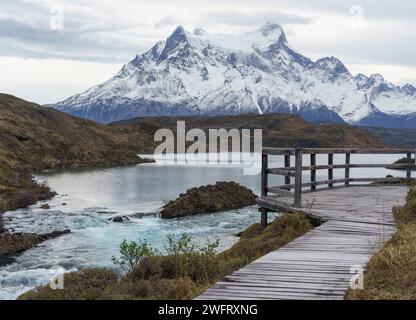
(133, 253)
(82, 285)
(183, 259)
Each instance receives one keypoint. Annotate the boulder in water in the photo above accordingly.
(120, 219)
(222, 196)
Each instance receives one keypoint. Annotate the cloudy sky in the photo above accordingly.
(51, 49)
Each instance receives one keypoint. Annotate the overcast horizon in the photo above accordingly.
(44, 58)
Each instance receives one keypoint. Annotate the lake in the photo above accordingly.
(88, 198)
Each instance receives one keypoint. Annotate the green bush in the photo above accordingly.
(133, 253)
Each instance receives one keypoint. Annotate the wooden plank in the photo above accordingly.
(291, 151)
(349, 166)
(280, 191)
(281, 172)
(359, 220)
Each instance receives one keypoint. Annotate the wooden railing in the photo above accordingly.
(295, 189)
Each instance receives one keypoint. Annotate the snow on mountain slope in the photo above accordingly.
(202, 74)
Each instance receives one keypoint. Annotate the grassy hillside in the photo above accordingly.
(394, 137)
(33, 138)
(279, 130)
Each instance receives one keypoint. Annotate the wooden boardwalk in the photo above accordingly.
(358, 220)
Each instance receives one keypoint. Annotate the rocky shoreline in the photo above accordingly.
(222, 196)
(12, 243)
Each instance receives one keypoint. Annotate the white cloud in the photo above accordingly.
(167, 21)
(115, 31)
(49, 80)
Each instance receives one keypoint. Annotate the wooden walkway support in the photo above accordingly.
(357, 221)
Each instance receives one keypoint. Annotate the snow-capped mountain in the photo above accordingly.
(202, 74)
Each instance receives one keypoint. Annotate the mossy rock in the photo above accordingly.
(222, 196)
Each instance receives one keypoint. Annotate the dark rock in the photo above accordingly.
(120, 219)
(45, 206)
(11, 243)
(54, 234)
(64, 204)
(222, 196)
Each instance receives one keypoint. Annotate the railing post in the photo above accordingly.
(298, 178)
(409, 169)
(264, 186)
(330, 171)
(287, 166)
(347, 169)
(263, 222)
(264, 174)
(313, 171)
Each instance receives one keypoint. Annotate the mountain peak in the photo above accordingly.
(377, 77)
(361, 77)
(409, 89)
(269, 27)
(332, 64)
(209, 74)
(178, 38)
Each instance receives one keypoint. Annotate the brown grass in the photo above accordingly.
(391, 273)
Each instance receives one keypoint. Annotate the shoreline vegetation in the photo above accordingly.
(391, 273)
(403, 161)
(184, 273)
(34, 139)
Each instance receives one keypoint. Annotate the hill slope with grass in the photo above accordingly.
(279, 130)
(393, 137)
(34, 138)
